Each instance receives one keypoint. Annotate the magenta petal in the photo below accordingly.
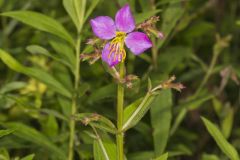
(124, 20)
(103, 27)
(109, 59)
(138, 42)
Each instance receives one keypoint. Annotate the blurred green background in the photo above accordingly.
(201, 47)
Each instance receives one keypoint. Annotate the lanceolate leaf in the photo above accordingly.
(135, 111)
(194, 103)
(75, 9)
(5, 132)
(179, 118)
(97, 121)
(161, 115)
(104, 148)
(12, 86)
(37, 73)
(143, 16)
(143, 155)
(170, 18)
(227, 122)
(30, 134)
(98, 152)
(223, 144)
(162, 157)
(36, 49)
(91, 8)
(182, 109)
(210, 157)
(29, 157)
(64, 50)
(102, 93)
(41, 22)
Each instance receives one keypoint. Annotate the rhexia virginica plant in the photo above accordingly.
(114, 35)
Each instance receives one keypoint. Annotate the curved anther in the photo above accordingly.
(117, 47)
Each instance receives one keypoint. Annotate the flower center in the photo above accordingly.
(117, 47)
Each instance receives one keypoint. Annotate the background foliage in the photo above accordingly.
(201, 47)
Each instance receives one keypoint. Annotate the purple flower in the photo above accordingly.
(119, 32)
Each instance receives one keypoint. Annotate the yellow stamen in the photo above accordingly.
(117, 47)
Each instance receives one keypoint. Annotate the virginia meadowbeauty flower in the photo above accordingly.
(119, 32)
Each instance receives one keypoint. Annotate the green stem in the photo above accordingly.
(208, 74)
(120, 103)
(74, 100)
(154, 54)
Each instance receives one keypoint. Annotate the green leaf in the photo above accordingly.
(41, 22)
(135, 111)
(63, 75)
(145, 5)
(180, 149)
(32, 135)
(227, 122)
(98, 152)
(162, 157)
(170, 18)
(198, 29)
(53, 113)
(217, 106)
(29, 157)
(83, 88)
(143, 155)
(50, 126)
(238, 22)
(12, 86)
(176, 55)
(141, 17)
(163, 2)
(178, 120)
(65, 104)
(194, 103)
(102, 93)
(122, 2)
(161, 115)
(76, 10)
(92, 6)
(35, 73)
(4, 155)
(209, 157)
(104, 148)
(97, 121)
(64, 50)
(6, 132)
(191, 104)
(36, 49)
(1, 2)
(222, 143)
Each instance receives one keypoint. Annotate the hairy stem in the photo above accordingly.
(120, 103)
(74, 100)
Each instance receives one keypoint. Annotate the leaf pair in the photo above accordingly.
(37, 73)
(104, 148)
(226, 147)
(32, 135)
(76, 10)
(96, 121)
(41, 22)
